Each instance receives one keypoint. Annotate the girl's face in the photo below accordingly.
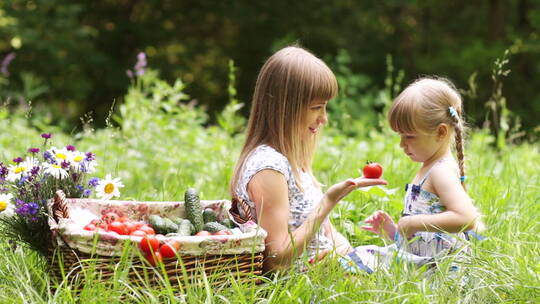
(422, 147)
(314, 118)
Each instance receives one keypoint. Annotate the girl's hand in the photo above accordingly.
(382, 224)
(338, 191)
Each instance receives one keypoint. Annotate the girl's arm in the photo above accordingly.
(268, 190)
(460, 214)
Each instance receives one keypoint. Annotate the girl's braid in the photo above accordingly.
(460, 142)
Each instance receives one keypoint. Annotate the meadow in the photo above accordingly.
(160, 147)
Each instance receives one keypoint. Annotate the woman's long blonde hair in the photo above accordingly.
(287, 84)
(424, 105)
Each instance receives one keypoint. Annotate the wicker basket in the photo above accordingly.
(68, 260)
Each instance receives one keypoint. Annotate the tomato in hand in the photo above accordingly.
(372, 170)
(169, 249)
(149, 244)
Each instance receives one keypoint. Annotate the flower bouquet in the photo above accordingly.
(28, 183)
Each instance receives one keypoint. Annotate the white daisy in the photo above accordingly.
(90, 166)
(60, 155)
(55, 171)
(108, 187)
(6, 207)
(76, 160)
(15, 172)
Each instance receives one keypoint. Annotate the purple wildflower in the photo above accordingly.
(87, 192)
(90, 156)
(46, 135)
(33, 150)
(93, 182)
(64, 164)
(5, 63)
(48, 157)
(33, 208)
(23, 180)
(79, 187)
(19, 203)
(129, 73)
(34, 171)
(17, 160)
(70, 148)
(3, 170)
(141, 64)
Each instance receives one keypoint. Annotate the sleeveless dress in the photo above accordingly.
(423, 248)
(301, 203)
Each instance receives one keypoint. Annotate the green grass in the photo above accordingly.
(159, 153)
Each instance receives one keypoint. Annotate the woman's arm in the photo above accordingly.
(341, 244)
(268, 190)
(460, 214)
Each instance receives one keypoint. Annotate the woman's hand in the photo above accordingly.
(338, 191)
(382, 224)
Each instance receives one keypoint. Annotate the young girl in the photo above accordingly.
(437, 212)
(273, 173)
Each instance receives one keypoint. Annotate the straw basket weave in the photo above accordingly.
(68, 261)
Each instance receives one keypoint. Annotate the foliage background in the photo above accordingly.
(71, 55)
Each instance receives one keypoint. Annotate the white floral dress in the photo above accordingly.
(423, 247)
(301, 203)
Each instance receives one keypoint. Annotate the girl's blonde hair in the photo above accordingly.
(287, 84)
(424, 105)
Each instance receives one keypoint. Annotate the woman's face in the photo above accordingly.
(314, 118)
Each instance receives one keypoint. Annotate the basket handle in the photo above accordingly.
(60, 208)
(242, 211)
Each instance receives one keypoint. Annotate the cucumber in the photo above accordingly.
(194, 209)
(209, 215)
(214, 227)
(157, 223)
(228, 223)
(185, 228)
(177, 220)
(169, 226)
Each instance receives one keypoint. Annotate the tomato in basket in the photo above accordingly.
(110, 217)
(147, 229)
(169, 249)
(149, 244)
(118, 227)
(138, 233)
(154, 258)
(90, 227)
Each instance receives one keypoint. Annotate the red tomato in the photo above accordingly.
(90, 227)
(149, 244)
(169, 249)
(123, 219)
(130, 226)
(138, 233)
(203, 233)
(118, 227)
(154, 258)
(110, 217)
(221, 232)
(147, 229)
(372, 170)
